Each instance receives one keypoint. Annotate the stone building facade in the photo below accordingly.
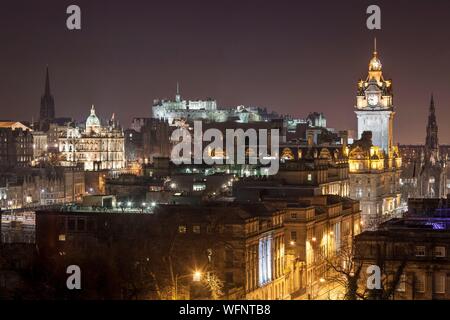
(415, 247)
(96, 146)
(316, 230)
(16, 145)
(374, 161)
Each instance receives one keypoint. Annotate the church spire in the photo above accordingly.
(432, 128)
(432, 109)
(47, 109)
(47, 83)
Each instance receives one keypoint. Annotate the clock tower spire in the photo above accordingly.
(374, 105)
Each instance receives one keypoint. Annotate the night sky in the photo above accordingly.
(293, 57)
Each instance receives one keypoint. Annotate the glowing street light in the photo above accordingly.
(197, 276)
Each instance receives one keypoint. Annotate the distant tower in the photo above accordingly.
(47, 110)
(374, 162)
(432, 178)
(178, 96)
(431, 143)
(374, 105)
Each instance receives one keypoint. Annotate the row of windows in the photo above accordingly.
(195, 229)
(420, 283)
(208, 229)
(438, 251)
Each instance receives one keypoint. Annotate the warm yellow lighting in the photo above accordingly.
(313, 239)
(322, 280)
(197, 276)
(292, 243)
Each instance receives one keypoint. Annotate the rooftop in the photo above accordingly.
(13, 125)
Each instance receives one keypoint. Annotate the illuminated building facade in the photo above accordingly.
(177, 112)
(97, 147)
(324, 168)
(40, 144)
(16, 145)
(265, 256)
(32, 187)
(374, 106)
(317, 229)
(375, 181)
(374, 162)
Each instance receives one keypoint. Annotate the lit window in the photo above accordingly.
(402, 283)
(196, 229)
(420, 251)
(182, 229)
(439, 252)
(359, 193)
(309, 177)
(265, 260)
(62, 237)
(199, 187)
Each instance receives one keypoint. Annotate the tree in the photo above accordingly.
(214, 285)
(348, 268)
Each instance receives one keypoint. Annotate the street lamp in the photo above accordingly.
(196, 277)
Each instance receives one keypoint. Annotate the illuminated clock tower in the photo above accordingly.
(374, 106)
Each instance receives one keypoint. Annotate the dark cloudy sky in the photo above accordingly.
(290, 56)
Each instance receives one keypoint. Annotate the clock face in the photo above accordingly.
(372, 99)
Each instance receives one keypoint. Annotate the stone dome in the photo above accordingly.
(92, 122)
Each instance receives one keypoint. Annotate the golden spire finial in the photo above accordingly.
(375, 63)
